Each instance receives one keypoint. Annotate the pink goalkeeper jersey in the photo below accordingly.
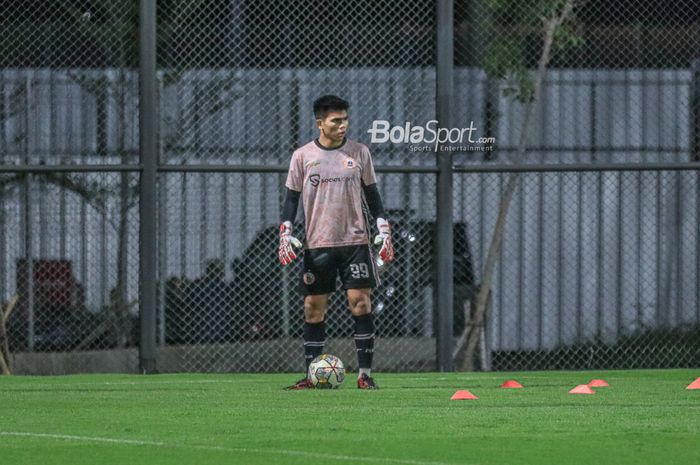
(330, 182)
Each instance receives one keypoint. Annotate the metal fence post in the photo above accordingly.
(444, 231)
(695, 111)
(147, 184)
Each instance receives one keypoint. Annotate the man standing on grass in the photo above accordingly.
(334, 177)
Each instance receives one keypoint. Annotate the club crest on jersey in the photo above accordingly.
(349, 163)
(309, 278)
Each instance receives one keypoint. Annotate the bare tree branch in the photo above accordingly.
(473, 328)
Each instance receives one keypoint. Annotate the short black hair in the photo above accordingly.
(328, 103)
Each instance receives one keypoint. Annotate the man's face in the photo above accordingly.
(334, 125)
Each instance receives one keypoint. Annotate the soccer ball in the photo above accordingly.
(326, 372)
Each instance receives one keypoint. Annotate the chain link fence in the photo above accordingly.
(69, 97)
(598, 269)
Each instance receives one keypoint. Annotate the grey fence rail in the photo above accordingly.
(143, 151)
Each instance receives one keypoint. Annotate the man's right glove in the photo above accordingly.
(386, 253)
(286, 252)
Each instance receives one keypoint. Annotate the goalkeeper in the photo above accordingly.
(334, 178)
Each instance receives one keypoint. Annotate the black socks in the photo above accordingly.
(364, 339)
(314, 339)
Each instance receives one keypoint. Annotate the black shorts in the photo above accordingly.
(353, 263)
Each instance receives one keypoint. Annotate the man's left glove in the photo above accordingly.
(386, 253)
(286, 252)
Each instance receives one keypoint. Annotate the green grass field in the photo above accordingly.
(644, 417)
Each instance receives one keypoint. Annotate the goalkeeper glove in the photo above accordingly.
(286, 253)
(386, 253)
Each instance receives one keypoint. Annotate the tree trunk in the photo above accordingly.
(480, 316)
(4, 343)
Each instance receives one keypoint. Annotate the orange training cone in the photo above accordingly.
(463, 395)
(582, 389)
(511, 384)
(598, 383)
(694, 385)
